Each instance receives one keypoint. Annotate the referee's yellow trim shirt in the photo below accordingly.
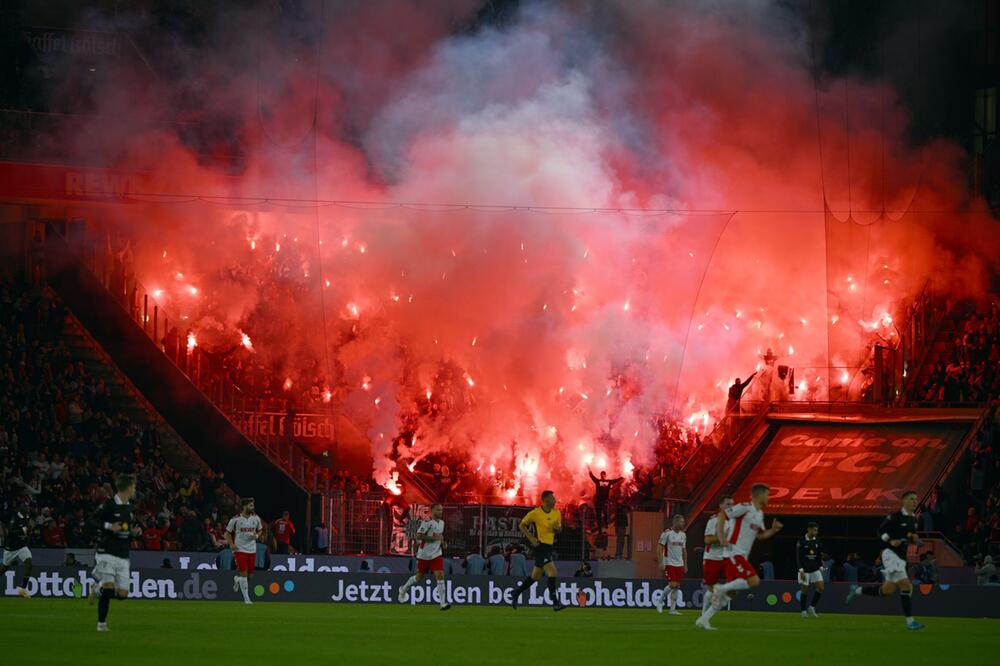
(544, 523)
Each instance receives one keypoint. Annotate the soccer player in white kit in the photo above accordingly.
(744, 525)
(241, 535)
(672, 551)
(714, 559)
(430, 556)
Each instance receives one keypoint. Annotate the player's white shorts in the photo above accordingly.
(19, 555)
(894, 566)
(111, 569)
(807, 577)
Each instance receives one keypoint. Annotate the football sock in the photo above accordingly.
(552, 591)
(804, 599)
(104, 603)
(409, 583)
(706, 600)
(245, 588)
(816, 597)
(710, 612)
(907, 602)
(525, 586)
(442, 594)
(734, 585)
(673, 598)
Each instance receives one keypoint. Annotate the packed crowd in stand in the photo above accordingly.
(62, 442)
(970, 375)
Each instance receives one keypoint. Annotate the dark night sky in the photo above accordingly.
(923, 47)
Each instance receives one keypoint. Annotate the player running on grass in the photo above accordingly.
(430, 556)
(547, 521)
(897, 532)
(15, 548)
(744, 525)
(714, 559)
(112, 568)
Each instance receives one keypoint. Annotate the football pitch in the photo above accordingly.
(53, 631)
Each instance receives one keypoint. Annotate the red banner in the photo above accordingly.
(828, 469)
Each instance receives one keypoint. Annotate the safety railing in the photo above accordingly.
(202, 368)
(363, 526)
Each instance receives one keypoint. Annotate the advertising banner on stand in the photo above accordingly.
(829, 469)
(366, 589)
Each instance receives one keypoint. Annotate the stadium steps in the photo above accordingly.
(744, 451)
(127, 399)
(189, 412)
(945, 342)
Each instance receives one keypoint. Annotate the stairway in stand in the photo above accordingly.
(128, 400)
(945, 344)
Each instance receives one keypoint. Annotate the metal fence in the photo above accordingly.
(376, 527)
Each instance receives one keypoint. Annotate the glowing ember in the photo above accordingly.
(288, 384)
(193, 290)
(327, 395)
(353, 309)
(393, 487)
(192, 342)
(245, 341)
(157, 293)
(844, 377)
(366, 384)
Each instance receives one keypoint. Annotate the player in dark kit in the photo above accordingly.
(897, 532)
(808, 555)
(113, 571)
(15, 548)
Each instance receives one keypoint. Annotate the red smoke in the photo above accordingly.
(567, 330)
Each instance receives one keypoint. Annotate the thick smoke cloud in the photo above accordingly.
(568, 319)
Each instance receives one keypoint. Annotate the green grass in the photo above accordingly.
(190, 633)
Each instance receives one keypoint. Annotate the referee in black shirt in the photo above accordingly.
(897, 532)
(808, 556)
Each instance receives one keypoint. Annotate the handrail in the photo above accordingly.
(302, 475)
(731, 449)
(957, 455)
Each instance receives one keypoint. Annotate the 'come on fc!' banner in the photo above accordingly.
(828, 469)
